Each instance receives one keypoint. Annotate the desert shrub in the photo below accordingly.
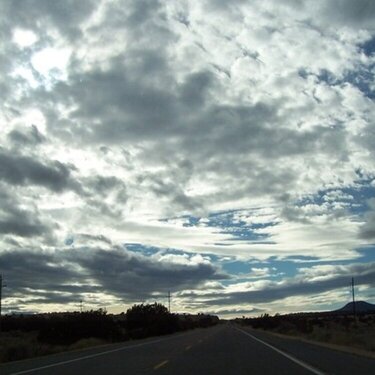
(24, 323)
(65, 329)
(304, 325)
(87, 343)
(16, 352)
(286, 327)
(18, 345)
(149, 320)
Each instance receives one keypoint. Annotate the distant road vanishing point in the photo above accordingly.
(223, 349)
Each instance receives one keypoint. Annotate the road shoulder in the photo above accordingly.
(342, 348)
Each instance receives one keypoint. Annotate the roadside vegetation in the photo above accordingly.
(26, 336)
(343, 330)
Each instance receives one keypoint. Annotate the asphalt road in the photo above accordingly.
(224, 349)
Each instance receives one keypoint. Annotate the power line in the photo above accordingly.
(169, 301)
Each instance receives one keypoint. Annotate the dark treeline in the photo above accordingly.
(65, 329)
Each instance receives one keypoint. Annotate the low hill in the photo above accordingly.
(360, 307)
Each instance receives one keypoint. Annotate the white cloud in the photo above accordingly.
(24, 38)
(51, 62)
(160, 111)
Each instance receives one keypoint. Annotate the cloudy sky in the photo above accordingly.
(224, 151)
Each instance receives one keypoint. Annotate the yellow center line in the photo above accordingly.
(161, 364)
(188, 347)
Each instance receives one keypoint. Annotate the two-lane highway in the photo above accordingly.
(224, 349)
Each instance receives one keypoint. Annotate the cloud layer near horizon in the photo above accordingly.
(232, 132)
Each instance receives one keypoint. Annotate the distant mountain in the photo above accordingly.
(360, 307)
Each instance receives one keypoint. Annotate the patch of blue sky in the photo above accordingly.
(147, 250)
(192, 221)
(236, 267)
(291, 264)
(284, 268)
(242, 269)
(355, 196)
(69, 241)
(366, 254)
(323, 75)
(361, 197)
(143, 249)
(362, 78)
(327, 76)
(227, 223)
(244, 234)
(368, 47)
(288, 267)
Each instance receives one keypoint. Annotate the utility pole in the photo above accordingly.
(354, 311)
(2, 285)
(169, 301)
(80, 306)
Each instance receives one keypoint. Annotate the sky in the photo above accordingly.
(222, 151)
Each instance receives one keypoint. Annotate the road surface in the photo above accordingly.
(225, 349)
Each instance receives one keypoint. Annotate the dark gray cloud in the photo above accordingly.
(139, 12)
(38, 15)
(28, 137)
(224, 6)
(171, 186)
(182, 119)
(129, 105)
(15, 220)
(23, 170)
(100, 209)
(194, 90)
(85, 237)
(272, 291)
(35, 270)
(21, 225)
(105, 194)
(104, 184)
(100, 187)
(116, 272)
(128, 108)
(136, 275)
(367, 230)
(359, 13)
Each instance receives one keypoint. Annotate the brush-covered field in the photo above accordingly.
(342, 330)
(27, 336)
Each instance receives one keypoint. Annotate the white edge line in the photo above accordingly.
(94, 355)
(301, 363)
